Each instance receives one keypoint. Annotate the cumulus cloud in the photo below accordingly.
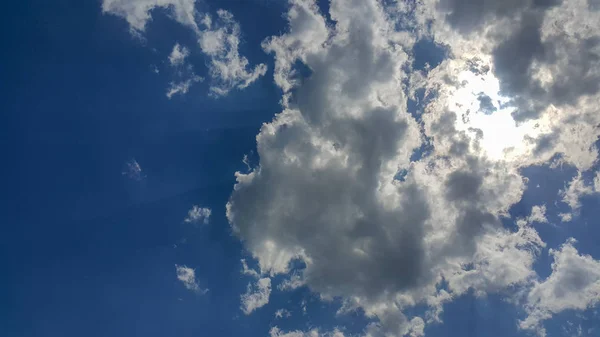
(178, 55)
(218, 38)
(565, 217)
(573, 285)
(187, 276)
(519, 87)
(538, 214)
(545, 55)
(516, 91)
(198, 214)
(325, 190)
(256, 295)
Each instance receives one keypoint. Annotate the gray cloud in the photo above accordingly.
(573, 284)
(324, 191)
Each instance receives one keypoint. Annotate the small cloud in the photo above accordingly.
(246, 162)
(293, 282)
(276, 332)
(249, 271)
(256, 296)
(538, 214)
(198, 215)
(178, 55)
(188, 277)
(282, 313)
(182, 87)
(133, 170)
(184, 72)
(576, 189)
(565, 217)
(417, 325)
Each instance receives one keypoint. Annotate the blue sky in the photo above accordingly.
(374, 197)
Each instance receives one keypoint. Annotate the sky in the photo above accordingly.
(301, 168)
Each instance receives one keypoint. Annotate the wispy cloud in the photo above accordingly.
(187, 276)
(198, 214)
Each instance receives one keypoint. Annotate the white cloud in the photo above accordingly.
(283, 313)
(565, 217)
(182, 87)
(218, 38)
(295, 281)
(178, 55)
(256, 296)
(417, 327)
(249, 271)
(198, 214)
(184, 72)
(577, 188)
(276, 332)
(538, 214)
(573, 285)
(227, 67)
(138, 12)
(187, 276)
(133, 170)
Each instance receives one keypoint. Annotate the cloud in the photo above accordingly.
(565, 217)
(220, 41)
(218, 38)
(187, 276)
(295, 281)
(256, 296)
(178, 55)
(325, 190)
(183, 71)
(133, 170)
(249, 271)
(138, 12)
(577, 188)
(573, 285)
(198, 215)
(182, 87)
(276, 332)
(519, 87)
(282, 313)
(538, 214)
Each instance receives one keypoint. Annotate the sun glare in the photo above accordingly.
(479, 106)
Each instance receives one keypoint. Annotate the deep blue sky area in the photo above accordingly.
(87, 251)
(84, 250)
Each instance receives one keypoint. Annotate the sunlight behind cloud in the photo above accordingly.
(485, 115)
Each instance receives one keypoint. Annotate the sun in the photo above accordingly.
(485, 116)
